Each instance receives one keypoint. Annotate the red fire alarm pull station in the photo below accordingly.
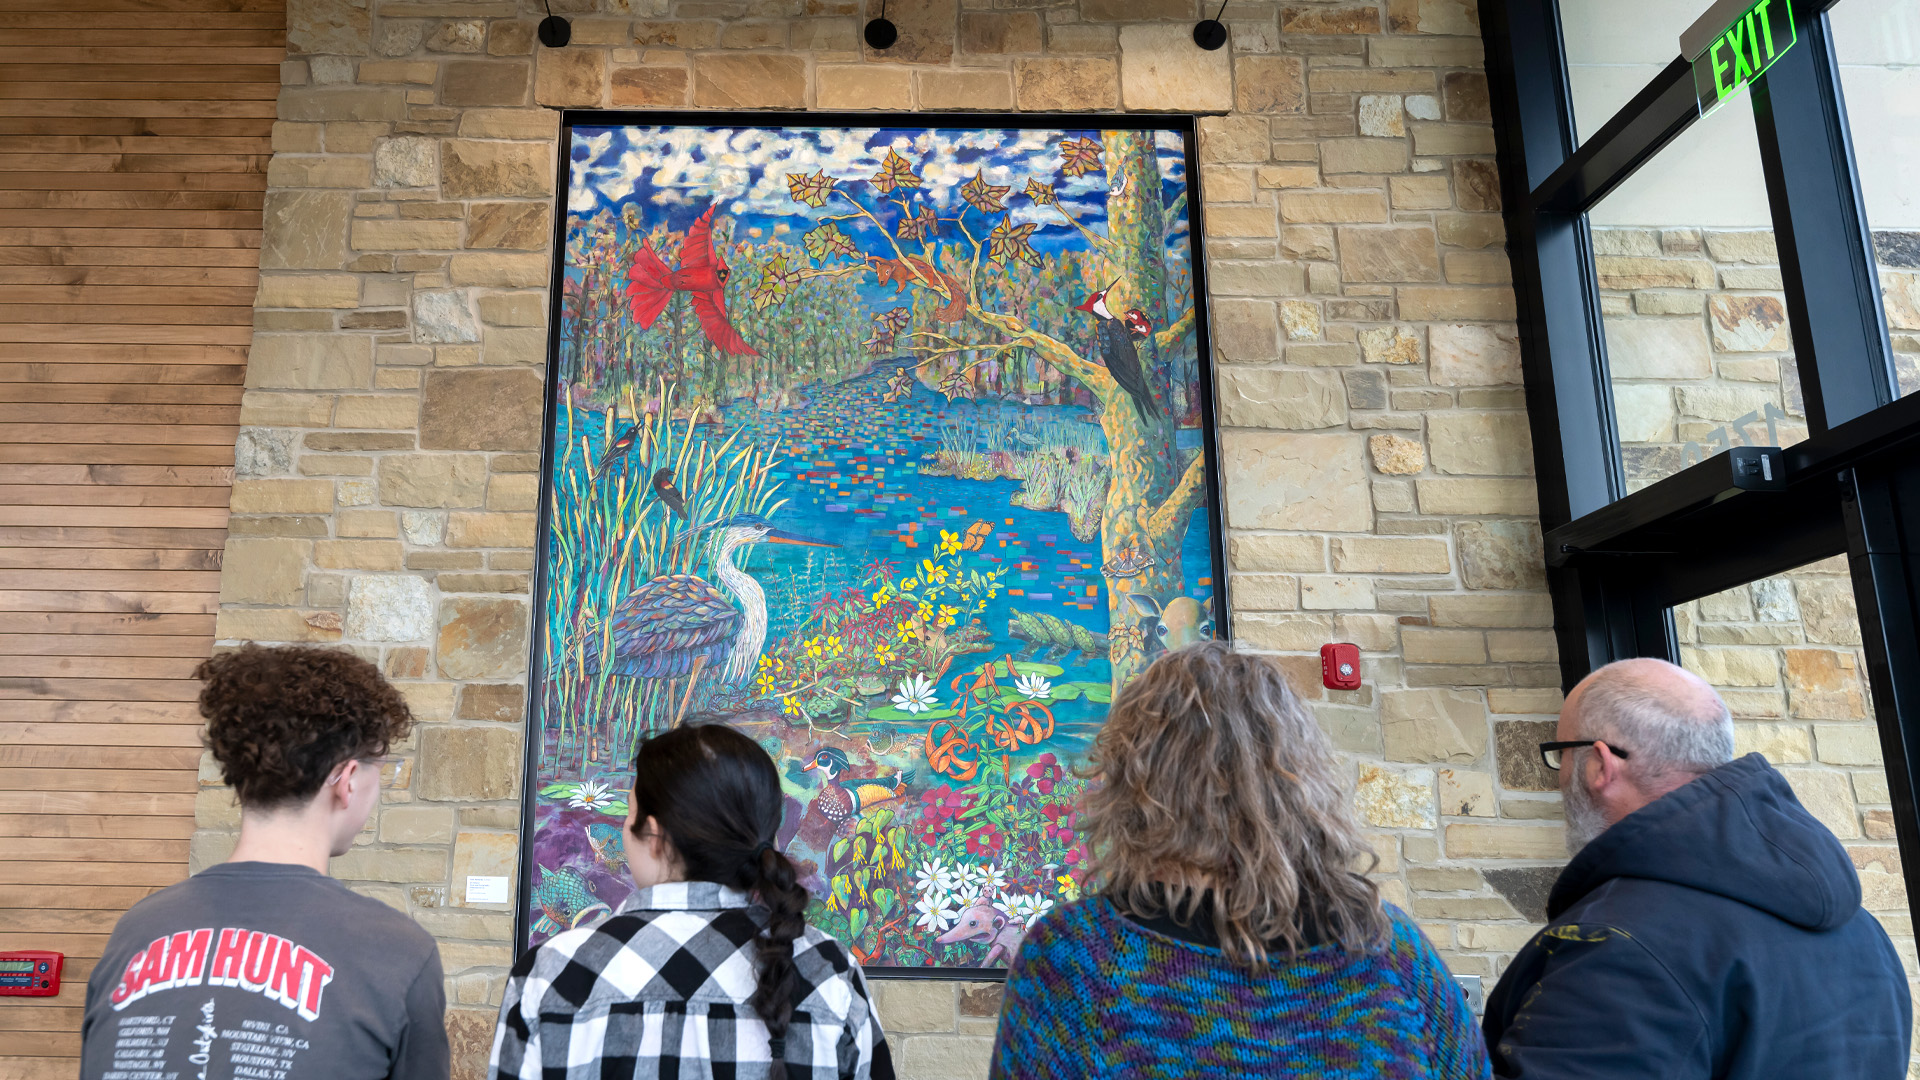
(1340, 666)
(28, 973)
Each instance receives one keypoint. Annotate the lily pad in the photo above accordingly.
(889, 712)
(1022, 667)
(1092, 691)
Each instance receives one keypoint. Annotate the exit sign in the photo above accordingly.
(1738, 50)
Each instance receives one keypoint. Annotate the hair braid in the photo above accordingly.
(773, 998)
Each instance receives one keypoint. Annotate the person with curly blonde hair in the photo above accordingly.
(1231, 930)
(263, 965)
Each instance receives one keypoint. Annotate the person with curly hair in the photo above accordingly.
(1232, 932)
(710, 969)
(263, 965)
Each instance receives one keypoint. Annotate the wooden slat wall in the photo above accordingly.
(134, 137)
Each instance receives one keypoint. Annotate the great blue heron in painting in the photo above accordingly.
(680, 624)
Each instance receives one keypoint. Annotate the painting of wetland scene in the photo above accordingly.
(891, 447)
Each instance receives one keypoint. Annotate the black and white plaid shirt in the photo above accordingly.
(660, 989)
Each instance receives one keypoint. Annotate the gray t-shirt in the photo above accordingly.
(265, 971)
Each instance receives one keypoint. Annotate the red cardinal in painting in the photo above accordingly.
(702, 275)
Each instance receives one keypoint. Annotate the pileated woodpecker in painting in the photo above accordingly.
(1118, 351)
(702, 275)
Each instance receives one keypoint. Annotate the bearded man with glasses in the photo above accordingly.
(1708, 926)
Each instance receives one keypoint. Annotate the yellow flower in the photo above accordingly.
(906, 629)
(833, 644)
(766, 662)
(949, 542)
(813, 647)
(883, 652)
(948, 616)
(883, 597)
(789, 707)
(909, 585)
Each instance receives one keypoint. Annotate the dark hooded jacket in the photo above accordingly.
(1715, 932)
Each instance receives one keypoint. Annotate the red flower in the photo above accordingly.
(985, 840)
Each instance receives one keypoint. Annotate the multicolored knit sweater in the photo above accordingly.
(1094, 994)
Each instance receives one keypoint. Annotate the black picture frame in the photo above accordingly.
(1182, 124)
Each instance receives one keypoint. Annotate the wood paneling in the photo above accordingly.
(134, 139)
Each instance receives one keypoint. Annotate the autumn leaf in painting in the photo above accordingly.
(920, 225)
(894, 320)
(895, 172)
(776, 283)
(986, 198)
(810, 188)
(1041, 194)
(1079, 157)
(1010, 241)
(828, 240)
(881, 342)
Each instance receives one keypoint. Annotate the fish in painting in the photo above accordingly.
(607, 848)
(563, 900)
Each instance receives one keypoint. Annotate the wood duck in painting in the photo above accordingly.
(843, 804)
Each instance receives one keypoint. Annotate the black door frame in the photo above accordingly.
(1617, 563)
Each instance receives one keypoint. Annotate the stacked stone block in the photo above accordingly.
(1698, 339)
(1374, 440)
(1785, 652)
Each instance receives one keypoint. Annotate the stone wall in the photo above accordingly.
(1785, 654)
(1377, 460)
(1698, 338)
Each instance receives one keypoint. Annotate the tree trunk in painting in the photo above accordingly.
(1153, 493)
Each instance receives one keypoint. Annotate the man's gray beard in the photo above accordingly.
(1585, 823)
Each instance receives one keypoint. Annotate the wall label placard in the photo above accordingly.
(1746, 48)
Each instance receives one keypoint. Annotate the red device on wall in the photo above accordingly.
(29, 973)
(1340, 666)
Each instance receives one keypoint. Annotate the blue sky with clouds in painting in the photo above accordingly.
(672, 173)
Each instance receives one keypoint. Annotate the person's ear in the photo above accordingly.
(1609, 767)
(633, 811)
(339, 786)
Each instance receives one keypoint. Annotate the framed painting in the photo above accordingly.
(888, 440)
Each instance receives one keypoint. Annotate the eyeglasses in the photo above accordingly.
(1550, 751)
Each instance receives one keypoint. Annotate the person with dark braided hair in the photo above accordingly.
(710, 968)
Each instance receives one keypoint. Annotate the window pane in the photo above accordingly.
(1698, 344)
(1785, 654)
(1878, 45)
(1615, 48)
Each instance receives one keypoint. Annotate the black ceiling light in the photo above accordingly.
(881, 33)
(555, 31)
(1210, 34)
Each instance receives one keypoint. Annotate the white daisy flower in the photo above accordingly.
(988, 878)
(591, 795)
(1034, 685)
(934, 914)
(916, 695)
(932, 876)
(1027, 909)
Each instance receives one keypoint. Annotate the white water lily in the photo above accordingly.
(916, 695)
(1034, 685)
(1027, 909)
(934, 914)
(591, 795)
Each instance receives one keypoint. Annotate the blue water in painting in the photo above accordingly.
(851, 476)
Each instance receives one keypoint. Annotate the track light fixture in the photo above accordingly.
(881, 33)
(1210, 34)
(555, 31)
